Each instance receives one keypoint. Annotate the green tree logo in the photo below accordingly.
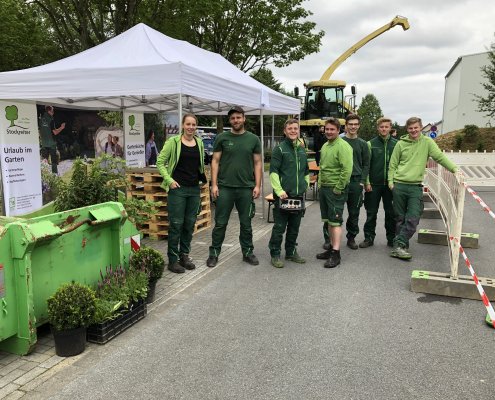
(132, 121)
(11, 114)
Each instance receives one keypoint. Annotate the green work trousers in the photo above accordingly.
(408, 207)
(52, 152)
(284, 220)
(183, 206)
(354, 203)
(372, 204)
(242, 198)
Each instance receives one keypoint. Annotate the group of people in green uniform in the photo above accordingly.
(384, 169)
(352, 172)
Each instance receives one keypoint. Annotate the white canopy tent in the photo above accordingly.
(144, 70)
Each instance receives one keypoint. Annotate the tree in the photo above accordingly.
(82, 24)
(265, 76)
(487, 104)
(25, 40)
(251, 34)
(369, 111)
(400, 129)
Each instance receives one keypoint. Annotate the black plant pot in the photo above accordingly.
(150, 298)
(69, 343)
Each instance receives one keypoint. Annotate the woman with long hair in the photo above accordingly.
(151, 151)
(181, 163)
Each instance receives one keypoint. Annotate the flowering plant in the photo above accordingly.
(117, 289)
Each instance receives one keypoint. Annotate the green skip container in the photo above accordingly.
(38, 255)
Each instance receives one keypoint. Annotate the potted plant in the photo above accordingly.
(70, 310)
(120, 303)
(151, 261)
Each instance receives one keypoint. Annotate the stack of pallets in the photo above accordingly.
(145, 184)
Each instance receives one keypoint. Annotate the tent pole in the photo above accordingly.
(262, 167)
(273, 131)
(180, 112)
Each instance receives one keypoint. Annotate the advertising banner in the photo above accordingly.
(134, 139)
(20, 157)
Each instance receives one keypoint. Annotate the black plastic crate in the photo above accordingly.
(104, 332)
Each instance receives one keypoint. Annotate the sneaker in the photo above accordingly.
(327, 246)
(400, 252)
(186, 262)
(366, 243)
(295, 258)
(325, 255)
(277, 262)
(351, 243)
(334, 259)
(251, 259)
(176, 267)
(211, 261)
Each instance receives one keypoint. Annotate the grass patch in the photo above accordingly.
(486, 138)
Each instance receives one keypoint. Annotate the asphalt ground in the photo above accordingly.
(304, 332)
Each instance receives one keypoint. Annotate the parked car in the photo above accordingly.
(208, 140)
(208, 134)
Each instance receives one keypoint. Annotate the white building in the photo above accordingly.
(462, 83)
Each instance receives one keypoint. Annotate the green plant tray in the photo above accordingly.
(106, 331)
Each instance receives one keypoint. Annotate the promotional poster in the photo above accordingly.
(134, 139)
(20, 157)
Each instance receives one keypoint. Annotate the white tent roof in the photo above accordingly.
(144, 70)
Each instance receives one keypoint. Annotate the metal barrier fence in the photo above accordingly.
(447, 192)
(478, 167)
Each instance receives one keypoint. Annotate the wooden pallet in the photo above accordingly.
(146, 185)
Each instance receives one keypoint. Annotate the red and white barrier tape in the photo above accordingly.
(480, 201)
(483, 295)
(135, 242)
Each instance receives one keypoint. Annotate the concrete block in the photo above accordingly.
(432, 236)
(441, 284)
(431, 213)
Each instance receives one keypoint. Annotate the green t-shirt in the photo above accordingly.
(236, 167)
(46, 126)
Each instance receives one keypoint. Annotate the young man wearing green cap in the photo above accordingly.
(405, 177)
(236, 170)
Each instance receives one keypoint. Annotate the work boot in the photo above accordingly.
(186, 261)
(251, 259)
(176, 267)
(334, 259)
(295, 258)
(211, 261)
(366, 243)
(277, 262)
(400, 252)
(351, 243)
(327, 246)
(325, 255)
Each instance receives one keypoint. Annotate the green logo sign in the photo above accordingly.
(132, 121)
(12, 114)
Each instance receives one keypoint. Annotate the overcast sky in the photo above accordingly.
(405, 70)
